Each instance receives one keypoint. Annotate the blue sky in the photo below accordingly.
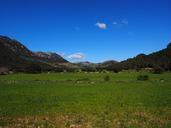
(88, 30)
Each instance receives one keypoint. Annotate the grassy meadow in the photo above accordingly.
(85, 100)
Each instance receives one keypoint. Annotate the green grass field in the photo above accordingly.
(85, 100)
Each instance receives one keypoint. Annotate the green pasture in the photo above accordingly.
(85, 100)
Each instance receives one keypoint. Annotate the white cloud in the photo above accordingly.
(76, 56)
(121, 24)
(101, 25)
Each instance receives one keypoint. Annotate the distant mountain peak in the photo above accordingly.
(169, 45)
(13, 53)
(52, 56)
(15, 46)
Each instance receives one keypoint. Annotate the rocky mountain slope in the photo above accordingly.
(160, 59)
(13, 54)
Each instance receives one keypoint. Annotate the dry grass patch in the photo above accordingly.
(52, 121)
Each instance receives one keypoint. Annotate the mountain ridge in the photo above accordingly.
(14, 54)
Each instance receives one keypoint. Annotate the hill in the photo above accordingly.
(15, 55)
(157, 60)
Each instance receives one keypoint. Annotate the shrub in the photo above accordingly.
(34, 68)
(83, 79)
(107, 78)
(157, 70)
(143, 77)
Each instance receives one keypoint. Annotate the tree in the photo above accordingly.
(106, 78)
(157, 70)
(169, 46)
(142, 77)
(34, 68)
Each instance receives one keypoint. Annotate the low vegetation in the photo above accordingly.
(142, 77)
(16, 57)
(107, 78)
(86, 100)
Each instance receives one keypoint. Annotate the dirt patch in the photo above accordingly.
(54, 121)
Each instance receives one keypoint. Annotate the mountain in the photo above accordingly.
(87, 66)
(160, 59)
(50, 56)
(86, 63)
(108, 63)
(14, 55)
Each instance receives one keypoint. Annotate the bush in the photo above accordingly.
(107, 78)
(157, 70)
(83, 79)
(143, 77)
(34, 68)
